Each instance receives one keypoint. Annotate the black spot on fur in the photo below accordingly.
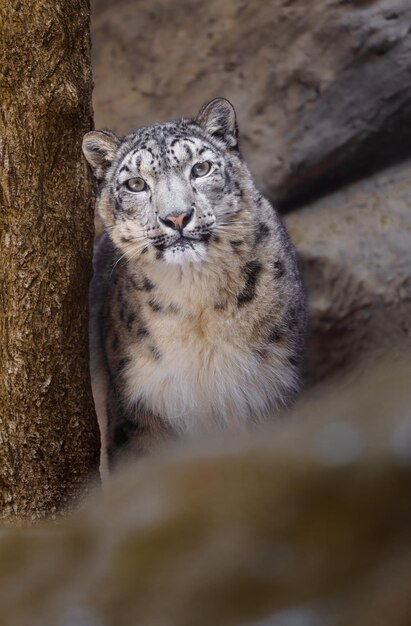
(235, 243)
(120, 366)
(119, 206)
(159, 243)
(238, 191)
(147, 284)
(294, 360)
(251, 270)
(130, 320)
(125, 428)
(159, 254)
(227, 178)
(155, 353)
(274, 335)
(124, 168)
(154, 305)
(142, 332)
(261, 233)
(133, 283)
(118, 369)
(279, 269)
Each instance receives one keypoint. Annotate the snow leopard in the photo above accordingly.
(198, 311)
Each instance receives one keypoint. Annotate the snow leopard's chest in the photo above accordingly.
(203, 373)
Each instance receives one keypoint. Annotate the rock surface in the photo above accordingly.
(355, 254)
(308, 523)
(322, 89)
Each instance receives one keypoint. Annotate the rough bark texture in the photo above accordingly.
(322, 87)
(48, 430)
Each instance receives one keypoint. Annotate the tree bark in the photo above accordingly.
(49, 441)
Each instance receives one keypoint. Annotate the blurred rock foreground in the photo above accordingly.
(323, 95)
(307, 523)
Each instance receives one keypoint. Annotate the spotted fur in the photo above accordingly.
(196, 328)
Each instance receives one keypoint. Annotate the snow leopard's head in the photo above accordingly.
(170, 191)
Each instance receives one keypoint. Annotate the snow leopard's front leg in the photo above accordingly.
(132, 431)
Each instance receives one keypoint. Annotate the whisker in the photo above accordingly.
(116, 263)
(136, 250)
(228, 226)
(225, 229)
(232, 223)
(132, 254)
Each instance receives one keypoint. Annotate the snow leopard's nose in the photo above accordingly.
(176, 220)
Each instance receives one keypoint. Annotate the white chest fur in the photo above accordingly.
(205, 375)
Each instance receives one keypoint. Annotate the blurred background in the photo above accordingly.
(322, 91)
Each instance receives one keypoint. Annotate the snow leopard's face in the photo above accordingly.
(169, 189)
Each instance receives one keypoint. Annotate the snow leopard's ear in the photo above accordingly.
(99, 148)
(218, 119)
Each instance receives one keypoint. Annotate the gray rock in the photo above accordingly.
(355, 253)
(323, 90)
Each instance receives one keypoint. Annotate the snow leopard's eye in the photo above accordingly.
(136, 184)
(200, 169)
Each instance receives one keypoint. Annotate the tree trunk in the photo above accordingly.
(49, 441)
